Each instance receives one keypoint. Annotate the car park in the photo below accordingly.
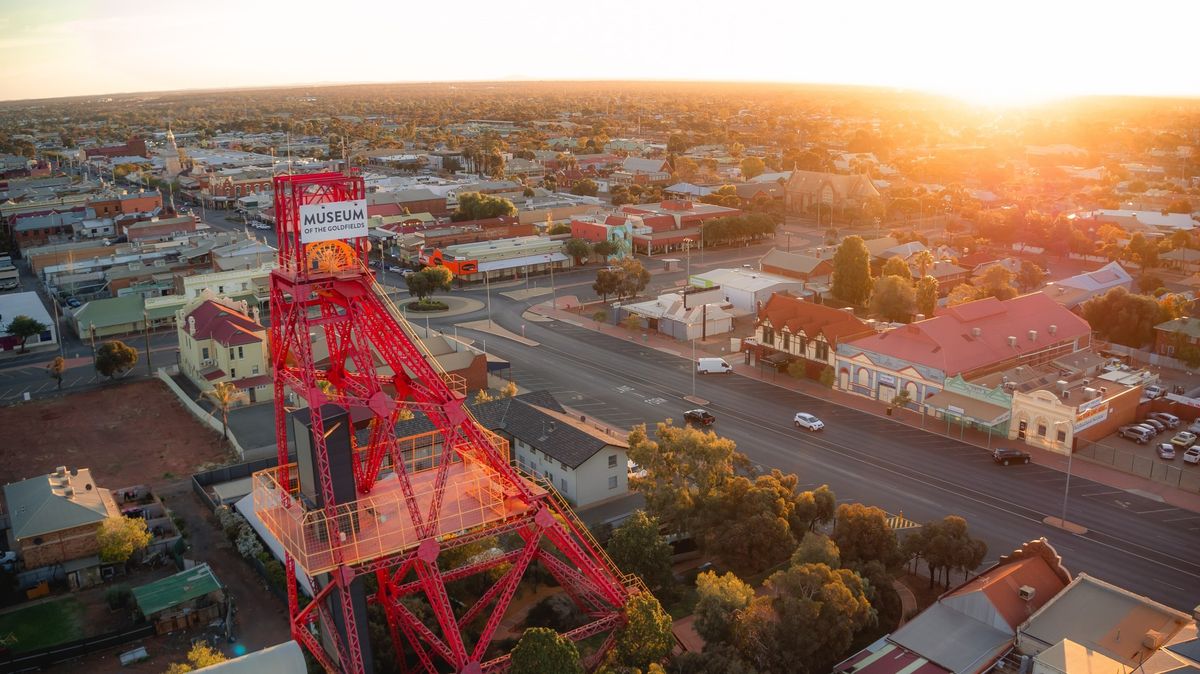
(1153, 391)
(699, 417)
(1195, 427)
(1183, 440)
(1008, 455)
(1166, 451)
(1170, 420)
(1139, 434)
(807, 421)
(1157, 425)
(1192, 456)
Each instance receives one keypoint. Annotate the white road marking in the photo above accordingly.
(1159, 510)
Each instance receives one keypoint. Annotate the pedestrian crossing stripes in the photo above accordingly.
(900, 522)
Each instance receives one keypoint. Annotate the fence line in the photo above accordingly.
(199, 412)
(1142, 466)
(74, 649)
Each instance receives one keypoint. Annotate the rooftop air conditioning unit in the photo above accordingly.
(1026, 592)
(1052, 329)
(1033, 335)
(1012, 340)
(976, 331)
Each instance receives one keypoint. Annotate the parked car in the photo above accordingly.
(1157, 425)
(1139, 434)
(1153, 391)
(1166, 451)
(1183, 439)
(1192, 455)
(713, 366)
(74, 302)
(808, 421)
(1007, 455)
(394, 268)
(1170, 420)
(1195, 427)
(699, 416)
(8, 560)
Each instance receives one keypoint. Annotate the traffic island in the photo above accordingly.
(1060, 523)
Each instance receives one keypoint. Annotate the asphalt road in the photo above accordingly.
(1143, 545)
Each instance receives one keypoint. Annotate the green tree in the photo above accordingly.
(806, 619)
(852, 271)
(607, 283)
(559, 228)
(996, 281)
(637, 547)
(944, 546)
(752, 167)
(893, 299)
(719, 599)
(828, 377)
(608, 247)
(896, 266)
(1174, 305)
(577, 249)
(120, 537)
(24, 327)
(200, 656)
(862, 534)
(748, 524)
(926, 296)
(1122, 317)
(1143, 251)
(586, 187)
(476, 206)
(646, 636)
(686, 168)
(684, 467)
(115, 357)
(817, 548)
(429, 280)
(224, 395)
(56, 368)
(634, 278)
(541, 650)
(1030, 276)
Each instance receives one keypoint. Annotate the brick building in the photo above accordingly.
(55, 517)
(135, 146)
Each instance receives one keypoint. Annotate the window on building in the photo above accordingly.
(233, 373)
(254, 370)
(550, 477)
(241, 352)
(768, 336)
(822, 351)
(785, 341)
(1042, 430)
(612, 460)
(612, 482)
(1062, 435)
(204, 353)
(245, 285)
(563, 482)
(231, 353)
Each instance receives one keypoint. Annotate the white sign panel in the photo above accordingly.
(1091, 417)
(333, 220)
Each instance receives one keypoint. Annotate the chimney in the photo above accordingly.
(1062, 385)
(1027, 592)
(1012, 341)
(61, 471)
(1033, 335)
(1053, 329)
(976, 331)
(68, 492)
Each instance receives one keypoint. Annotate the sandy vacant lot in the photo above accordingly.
(127, 433)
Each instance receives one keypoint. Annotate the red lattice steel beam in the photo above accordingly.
(325, 288)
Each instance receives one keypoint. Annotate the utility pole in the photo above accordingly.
(553, 293)
(92, 333)
(146, 322)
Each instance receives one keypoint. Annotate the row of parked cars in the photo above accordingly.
(1183, 441)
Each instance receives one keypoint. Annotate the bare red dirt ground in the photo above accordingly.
(127, 434)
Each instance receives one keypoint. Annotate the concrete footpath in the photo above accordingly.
(720, 347)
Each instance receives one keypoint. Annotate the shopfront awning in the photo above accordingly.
(525, 261)
(980, 411)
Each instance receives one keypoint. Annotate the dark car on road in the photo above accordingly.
(699, 417)
(1007, 455)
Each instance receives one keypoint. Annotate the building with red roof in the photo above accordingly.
(971, 340)
(790, 328)
(968, 629)
(221, 340)
(665, 226)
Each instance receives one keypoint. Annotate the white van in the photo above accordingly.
(713, 366)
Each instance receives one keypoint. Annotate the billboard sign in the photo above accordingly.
(333, 220)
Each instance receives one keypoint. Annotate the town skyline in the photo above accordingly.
(1030, 54)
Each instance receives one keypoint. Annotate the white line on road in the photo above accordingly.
(1183, 519)
(1159, 510)
(38, 389)
(74, 381)
(1105, 493)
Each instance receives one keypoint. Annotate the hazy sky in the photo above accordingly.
(1011, 51)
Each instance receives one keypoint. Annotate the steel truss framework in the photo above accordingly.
(325, 290)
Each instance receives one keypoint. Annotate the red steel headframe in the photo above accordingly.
(376, 370)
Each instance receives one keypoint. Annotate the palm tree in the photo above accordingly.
(224, 395)
(923, 259)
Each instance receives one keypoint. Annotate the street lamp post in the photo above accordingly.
(693, 367)
(1067, 488)
(687, 248)
(488, 286)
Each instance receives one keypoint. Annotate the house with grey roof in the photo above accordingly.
(54, 518)
(585, 464)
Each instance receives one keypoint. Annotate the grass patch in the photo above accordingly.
(428, 305)
(43, 625)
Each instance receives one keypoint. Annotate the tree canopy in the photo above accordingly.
(926, 296)
(476, 206)
(646, 637)
(752, 167)
(541, 650)
(893, 299)
(896, 266)
(24, 327)
(862, 534)
(1123, 317)
(852, 271)
(718, 600)
(637, 547)
(429, 280)
(120, 537)
(115, 357)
